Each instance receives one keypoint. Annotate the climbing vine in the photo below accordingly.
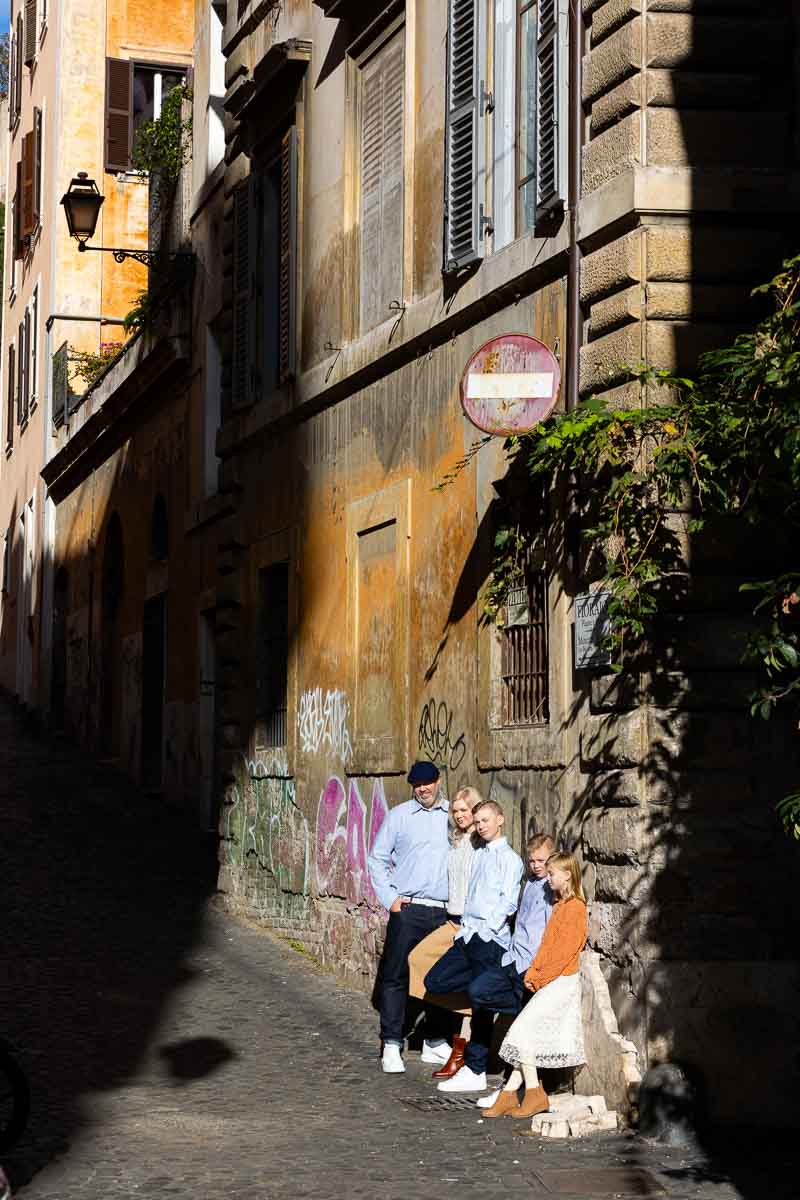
(724, 446)
(163, 146)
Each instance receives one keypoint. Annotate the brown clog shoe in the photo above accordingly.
(534, 1101)
(505, 1105)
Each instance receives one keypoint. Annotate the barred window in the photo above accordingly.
(525, 662)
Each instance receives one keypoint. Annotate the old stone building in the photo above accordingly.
(404, 181)
(260, 602)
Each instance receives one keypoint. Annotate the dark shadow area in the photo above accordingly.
(103, 896)
(195, 1058)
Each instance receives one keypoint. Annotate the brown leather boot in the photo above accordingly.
(534, 1101)
(505, 1105)
(454, 1063)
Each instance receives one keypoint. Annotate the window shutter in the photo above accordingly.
(31, 31)
(12, 51)
(60, 384)
(11, 368)
(26, 352)
(28, 160)
(551, 105)
(381, 248)
(21, 413)
(37, 167)
(18, 65)
(33, 346)
(465, 150)
(288, 277)
(243, 297)
(119, 113)
(17, 214)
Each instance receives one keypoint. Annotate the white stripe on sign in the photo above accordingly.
(510, 385)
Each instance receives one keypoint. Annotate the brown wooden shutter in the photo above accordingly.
(28, 167)
(33, 345)
(18, 65)
(119, 113)
(288, 275)
(31, 31)
(17, 214)
(11, 368)
(37, 167)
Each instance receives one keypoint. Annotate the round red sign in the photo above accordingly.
(510, 384)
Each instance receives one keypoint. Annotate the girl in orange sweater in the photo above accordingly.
(548, 1031)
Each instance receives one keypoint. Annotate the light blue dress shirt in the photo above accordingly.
(535, 910)
(409, 856)
(492, 893)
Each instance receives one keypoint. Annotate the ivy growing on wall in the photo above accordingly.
(723, 446)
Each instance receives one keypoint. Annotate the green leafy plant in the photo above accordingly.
(164, 145)
(88, 365)
(723, 446)
(141, 316)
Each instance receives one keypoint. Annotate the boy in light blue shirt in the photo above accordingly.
(484, 937)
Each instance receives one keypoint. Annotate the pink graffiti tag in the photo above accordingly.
(342, 846)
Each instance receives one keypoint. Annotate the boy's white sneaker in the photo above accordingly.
(465, 1080)
(488, 1101)
(435, 1052)
(392, 1060)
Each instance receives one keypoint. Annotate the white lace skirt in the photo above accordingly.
(548, 1032)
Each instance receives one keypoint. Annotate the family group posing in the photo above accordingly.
(452, 885)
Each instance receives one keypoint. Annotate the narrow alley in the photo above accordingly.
(173, 1051)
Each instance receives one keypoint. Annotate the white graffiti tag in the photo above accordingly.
(322, 721)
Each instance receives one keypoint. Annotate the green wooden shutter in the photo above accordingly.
(60, 384)
(551, 105)
(465, 169)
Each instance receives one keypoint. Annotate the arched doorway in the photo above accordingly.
(58, 677)
(113, 580)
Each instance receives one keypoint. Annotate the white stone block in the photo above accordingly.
(555, 1129)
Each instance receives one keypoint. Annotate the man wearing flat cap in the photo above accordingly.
(408, 869)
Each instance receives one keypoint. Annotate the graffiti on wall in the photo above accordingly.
(264, 823)
(436, 738)
(322, 720)
(344, 840)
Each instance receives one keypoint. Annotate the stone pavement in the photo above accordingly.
(175, 1052)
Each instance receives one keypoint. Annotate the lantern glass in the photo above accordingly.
(82, 203)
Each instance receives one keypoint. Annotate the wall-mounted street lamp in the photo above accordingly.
(82, 203)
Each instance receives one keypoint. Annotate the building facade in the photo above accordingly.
(246, 584)
(403, 182)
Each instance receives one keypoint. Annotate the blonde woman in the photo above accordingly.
(548, 1032)
(463, 843)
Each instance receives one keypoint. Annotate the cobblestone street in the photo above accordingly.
(175, 1052)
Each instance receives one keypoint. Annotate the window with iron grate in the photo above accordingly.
(525, 659)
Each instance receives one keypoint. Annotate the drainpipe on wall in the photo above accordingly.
(575, 139)
(574, 312)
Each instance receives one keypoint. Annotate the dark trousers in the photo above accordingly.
(405, 930)
(456, 971)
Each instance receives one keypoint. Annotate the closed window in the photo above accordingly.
(525, 665)
(381, 137)
(265, 255)
(11, 369)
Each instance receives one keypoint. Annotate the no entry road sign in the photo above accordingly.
(510, 384)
